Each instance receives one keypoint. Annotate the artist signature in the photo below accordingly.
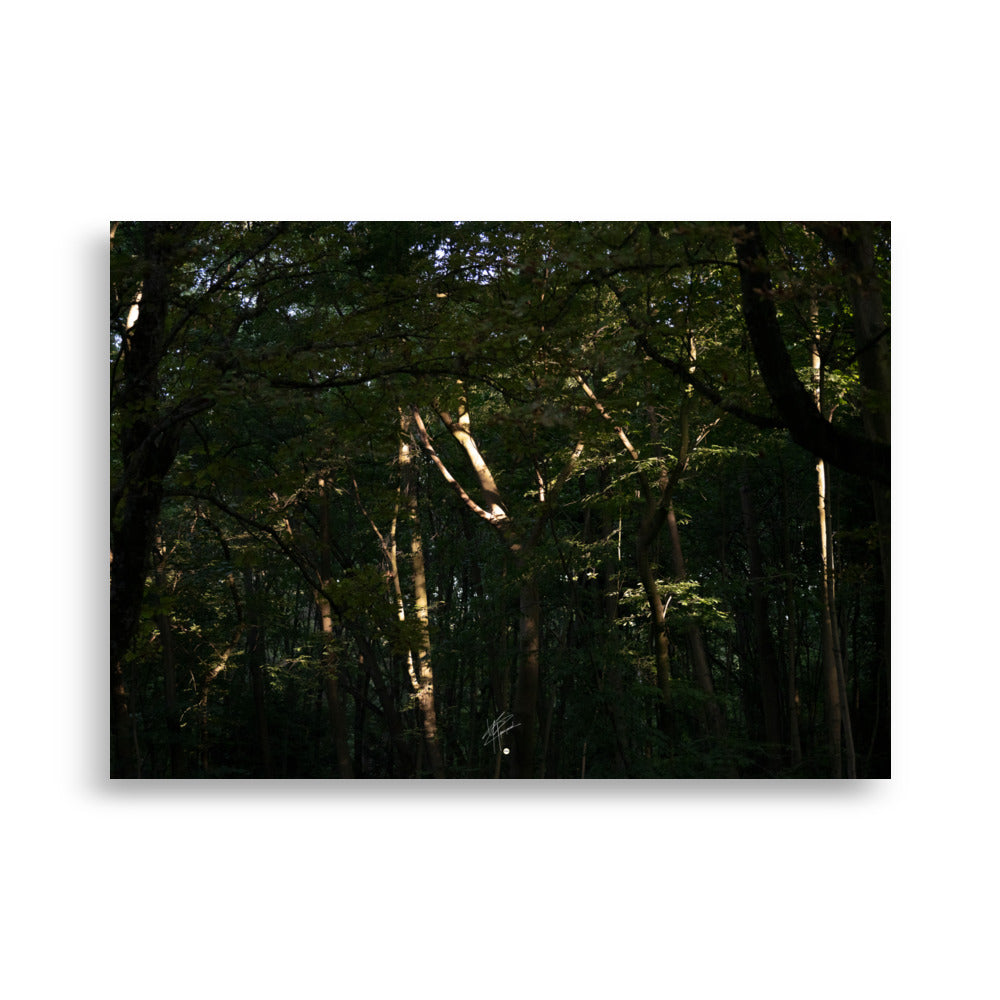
(502, 724)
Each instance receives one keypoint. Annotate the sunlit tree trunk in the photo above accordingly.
(854, 244)
(838, 711)
(831, 678)
(421, 649)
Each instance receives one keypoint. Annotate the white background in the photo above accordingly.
(521, 110)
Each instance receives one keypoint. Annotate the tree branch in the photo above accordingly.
(425, 442)
(796, 406)
(460, 430)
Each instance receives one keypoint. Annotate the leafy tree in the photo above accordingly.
(381, 490)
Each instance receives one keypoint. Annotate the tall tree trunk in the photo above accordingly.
(136, 500)
(148, 443)
(831, 675)
(526, 688)
(830, 575)
(838, 710)
(854, 244)
(338, 718)
(426, 698)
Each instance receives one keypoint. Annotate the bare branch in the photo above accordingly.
(607, 416)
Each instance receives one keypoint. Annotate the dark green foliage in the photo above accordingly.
(288, 356)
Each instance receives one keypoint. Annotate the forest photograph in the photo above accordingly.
(492, 500)
(530, 464)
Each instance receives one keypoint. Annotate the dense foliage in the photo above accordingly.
(499, 499)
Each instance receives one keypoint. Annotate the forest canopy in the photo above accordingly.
(500, 499)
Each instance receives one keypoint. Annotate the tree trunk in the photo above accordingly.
(830, 574)
(526, 689)
(137, 498)
(149, 439)
(426, 698)
(831, 675)
(838, 711)
(338, 719)
(854, 245)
